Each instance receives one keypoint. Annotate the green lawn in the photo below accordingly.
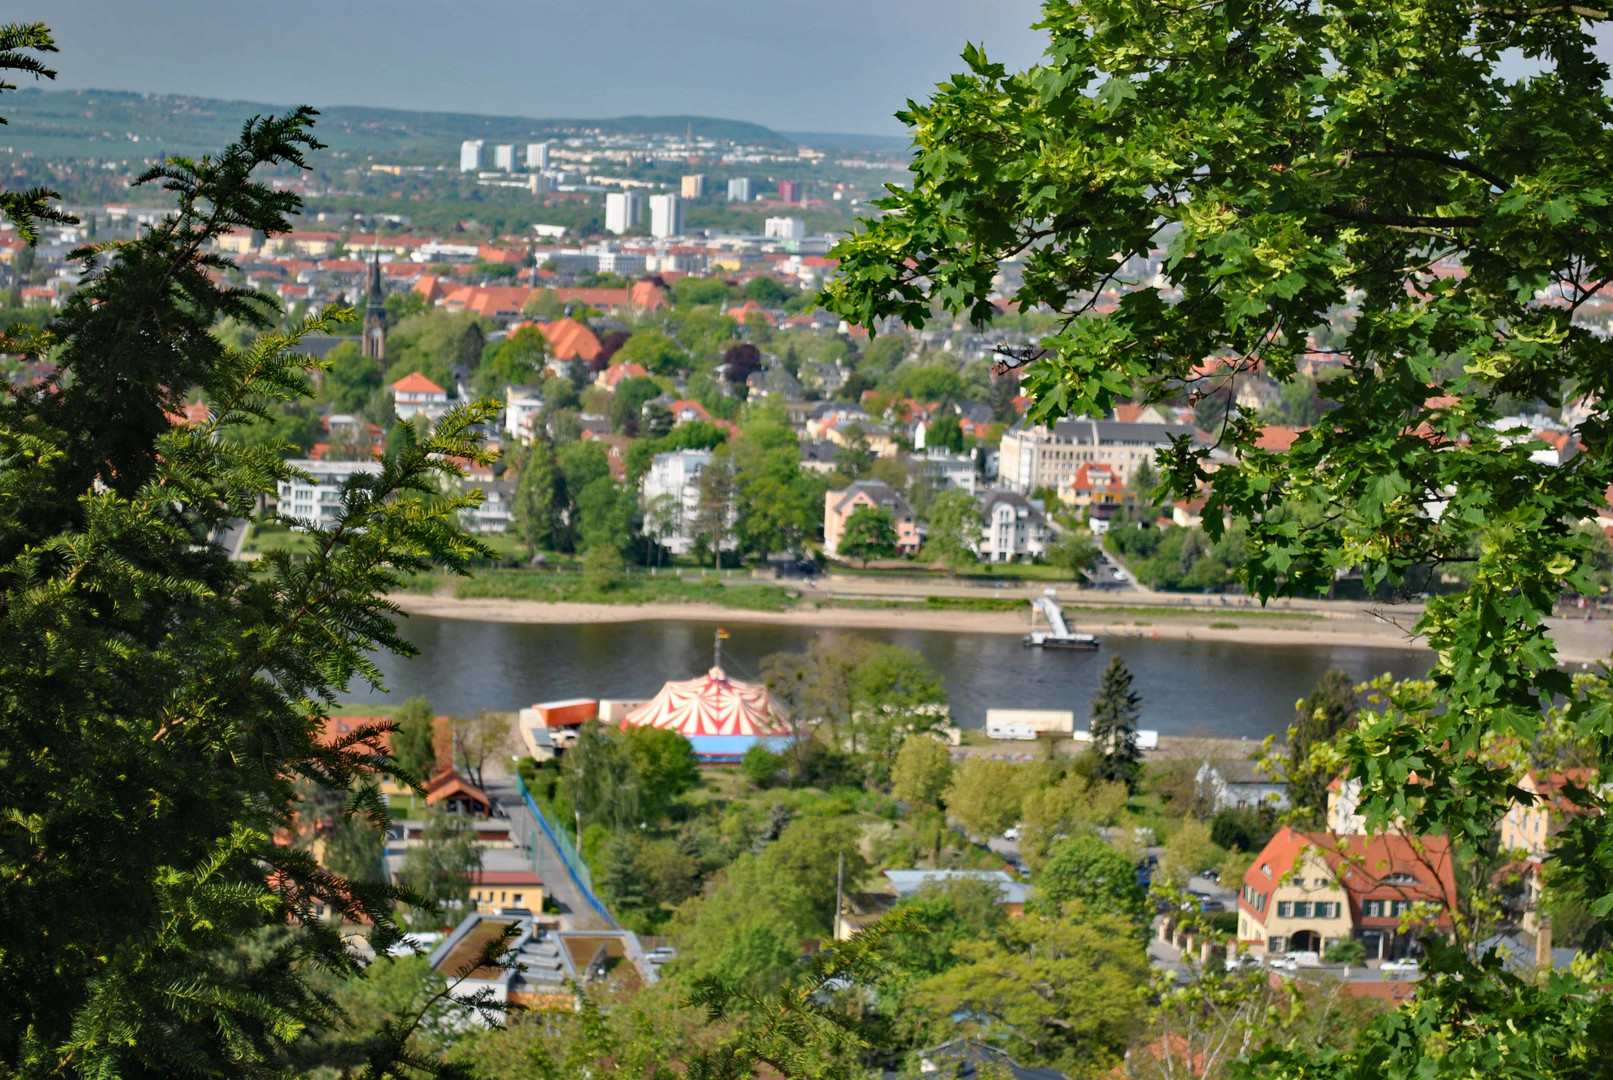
(636, 588)
(270, 537)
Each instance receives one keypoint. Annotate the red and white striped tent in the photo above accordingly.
(722, 717)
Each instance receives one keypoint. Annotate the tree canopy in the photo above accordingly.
(1291, 161)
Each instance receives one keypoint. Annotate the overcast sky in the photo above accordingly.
(812, 65)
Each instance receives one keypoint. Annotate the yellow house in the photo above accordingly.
(1530, 827)
(493, 890)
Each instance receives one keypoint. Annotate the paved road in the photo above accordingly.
(557, 881)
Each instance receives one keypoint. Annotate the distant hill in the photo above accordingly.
(118, 124)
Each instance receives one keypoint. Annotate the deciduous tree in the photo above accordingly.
(869, 533)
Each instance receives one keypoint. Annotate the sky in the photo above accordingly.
(813, 65)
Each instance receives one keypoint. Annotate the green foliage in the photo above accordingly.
(984, 795)
(412, 739)
(954, 530)
(166, 701)
(1190, 850)
(1319, 718)
(869, 533)
(518, 360)
(1086, 871)
(436, 343)
(761, 766)
(1063, 991)
(1075, 551)
(1177, 558)
(628, 404)
(664, 767)
(654, 351)
(438, 867)
(922, 773)
(539, 498)
(945, 433)
(1114, 725)
(1345, 951)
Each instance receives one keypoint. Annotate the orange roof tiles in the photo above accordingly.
(570, 340)
(416, 383)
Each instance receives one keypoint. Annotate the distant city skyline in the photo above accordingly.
(827, 66)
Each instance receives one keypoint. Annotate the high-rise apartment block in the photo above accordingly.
(789, 191)
(504, 157)
(623, 211)
(739, 189)
(694, 187)
(785, 228)
(537, 156)
(666, 215)
(470, 155)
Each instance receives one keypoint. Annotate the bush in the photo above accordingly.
(1348, 951)
(1244, 827)
(761, 766)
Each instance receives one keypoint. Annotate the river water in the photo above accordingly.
(1188, 687)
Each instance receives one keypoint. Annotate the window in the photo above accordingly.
(1400, 879)
(516, 899)
(1372, 909)
(1303, 909)
(1277, 944)
(1285, 909)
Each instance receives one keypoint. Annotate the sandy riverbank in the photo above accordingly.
(1361, 633)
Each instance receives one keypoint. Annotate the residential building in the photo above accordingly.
(1231, 784)
(946, 471)
(1015, 527)
(694, 187)
(537, 156)
(521, 408)
(414, 393)
(1036, 457)
(785, 228)
(789, 191)
(497, 510)
(666, 216)
(315, 501)
(504, 157)
(1306, 891)
(819, 455)
(880, 439)
(671, 500)
(623, 211)
(838, 506)
(495, 890)
(1530, 826)
(740, 189)
(1097, 489)
(470, 155)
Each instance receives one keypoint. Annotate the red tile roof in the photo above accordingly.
(570, 340)
(416, 383)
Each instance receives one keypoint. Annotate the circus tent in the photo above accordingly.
(721, 717)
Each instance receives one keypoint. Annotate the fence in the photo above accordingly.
(575, 867)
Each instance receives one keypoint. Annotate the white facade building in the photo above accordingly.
(785, 228)
(521, 409)
(316, 501)
(666, 216)
(470, 155)
(1036, 457)
(1015, 527)
(740, 189)
(623, 211)
(504, 157)
(537, 156)
(672, 500)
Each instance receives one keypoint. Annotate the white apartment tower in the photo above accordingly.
(739, 189)
(785, 228)
(504, 157)
(470, 155)
(537, 156)
(623, 211)
(694, 187)
(666, 216)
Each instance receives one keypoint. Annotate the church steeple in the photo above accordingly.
(374, 343)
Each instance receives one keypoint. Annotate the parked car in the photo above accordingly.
(1011, 833)
(1295, 960)
(1407, 966)
(1242, 962)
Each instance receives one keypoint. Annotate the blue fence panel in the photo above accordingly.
(568, 853)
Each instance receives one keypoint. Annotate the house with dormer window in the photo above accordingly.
(1307, 891)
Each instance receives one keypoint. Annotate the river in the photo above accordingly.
(1226, 689)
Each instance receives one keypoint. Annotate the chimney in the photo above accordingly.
(1543, 944)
